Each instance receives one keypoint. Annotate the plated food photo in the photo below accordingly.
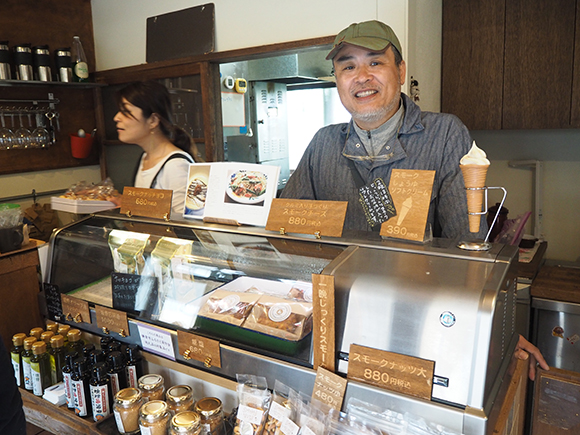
(196, 193)
(247, 187)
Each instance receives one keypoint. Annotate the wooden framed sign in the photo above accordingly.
(155, 203)
(391, 371)
(112, 320)
(323, 331)
(411, 193)
(75, 309)
(323, 218)
(203, 349)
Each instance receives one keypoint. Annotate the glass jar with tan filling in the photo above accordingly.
(128, 401)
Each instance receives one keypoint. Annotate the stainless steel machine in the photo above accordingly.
(431, 301)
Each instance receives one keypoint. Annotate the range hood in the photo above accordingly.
(293, 69)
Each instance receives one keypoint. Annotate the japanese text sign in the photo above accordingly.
(307, 217)
(155, 203)
(329, 388)
(323, 328)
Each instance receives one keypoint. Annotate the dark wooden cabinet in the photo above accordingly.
(508, 64)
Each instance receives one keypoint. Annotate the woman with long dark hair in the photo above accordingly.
(145, 118)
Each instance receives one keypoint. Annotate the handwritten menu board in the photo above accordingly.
(53, 303)
(376, 202)
(125, 287)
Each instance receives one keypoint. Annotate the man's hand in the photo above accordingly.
(525, 350)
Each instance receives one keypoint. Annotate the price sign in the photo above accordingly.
(155, 203)
(411, 193)
(199, 348)
(53, 303)
(325, 218)
(329, 388)
(391, 371)
(323, 332)
(113, 320)
(75, 309)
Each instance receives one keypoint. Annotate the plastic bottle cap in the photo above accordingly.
(46, 336)
(18, 339)
(28, 342)
(116, 360)
(36, 332)
(39, 348)
(57, 341)
(63, 330)
(100, 371)
(73, 335)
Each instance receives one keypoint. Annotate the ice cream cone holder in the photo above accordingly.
(478, 244)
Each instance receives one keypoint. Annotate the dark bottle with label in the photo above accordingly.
(117, 372)
(134, 365)
(67, 370)
(101, 395)
(26, 355)
(16, 356)
(79, 61)
(80, 386)
(56, 353)
(40, 368)
(75, 343)
(97, 356)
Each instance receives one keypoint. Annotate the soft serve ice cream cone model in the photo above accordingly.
(474, 166)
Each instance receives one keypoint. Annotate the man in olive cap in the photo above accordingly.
(387, 131)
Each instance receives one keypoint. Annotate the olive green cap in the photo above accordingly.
(372, 35)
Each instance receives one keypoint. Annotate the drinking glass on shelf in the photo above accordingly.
(6, 135)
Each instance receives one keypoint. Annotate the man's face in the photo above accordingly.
(369, 84)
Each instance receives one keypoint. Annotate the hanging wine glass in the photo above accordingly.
(39, 136)
(22, 134)
(6, 135)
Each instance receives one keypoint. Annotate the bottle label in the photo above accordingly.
(82, 70)
(100, 402)
(119, 421)
(53, 369)
(132, 376)
(79, 399)
(36, 379)
(16, 365)
(68, 389)
(145, 430)
(27, 375)
(114, 377)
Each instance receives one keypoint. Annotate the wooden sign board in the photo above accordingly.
(325, 218)
(53, 302)
(155, 203)
(113, 320)
(329, 388)
(391, 371)
(411, 193)
(75, 309)
(199, 348)
(323, 331)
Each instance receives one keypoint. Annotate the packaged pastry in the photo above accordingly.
(282, 318)
(253, 404)
(127, 250)
(230, 307)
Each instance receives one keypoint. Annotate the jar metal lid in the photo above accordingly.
(18, 339)
(208, 406)
(153, 410)
(185, 420)
(150, 382)
(179, 393)
(128, 396)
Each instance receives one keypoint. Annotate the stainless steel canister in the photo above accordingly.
(62, 61)
(23, 62)
(4, 61)
(41, 56)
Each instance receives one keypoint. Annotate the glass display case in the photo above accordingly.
(431, 301)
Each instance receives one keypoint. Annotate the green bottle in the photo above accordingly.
(40, 368)
(56, 354)
(16, 354)
(79, 61)
(26, 355)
